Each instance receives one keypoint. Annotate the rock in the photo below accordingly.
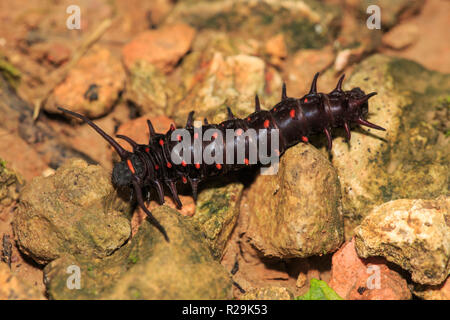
(161, 47)
(401, 36)
(305, 24)
(147, 88)
(12, 288)
(296, 213)
(413, 234)
(54, 52)
(148, 267)
(10, 183)
(92, 87)
(354, 278)
(223, 81)
(392, 11)
(429, 50)
(303, 65)
(268, 293)
(75, 211)
(275, 47)
(428, 292)
(17, 153)
(216, 213)
(376, 167)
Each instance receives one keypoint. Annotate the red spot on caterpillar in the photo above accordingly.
(305, 139)
(130, 166)
(156, 167)
(196, 135)
(248, 119)
(266, 124)
(147, 150)
(172, 127)
(183, 163)
(184, 179)
(215, 135)
(161, 142)
(292, 113)
(218, 166)
(239, 132)
(306, 100)
(246, 161)
(178, 137)
(197, 165)
(169, 165)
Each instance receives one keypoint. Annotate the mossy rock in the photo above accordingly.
(409, 160)
(148, 267)
(216, 213)
(305, 24)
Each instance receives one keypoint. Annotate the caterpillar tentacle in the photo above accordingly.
(151, 165)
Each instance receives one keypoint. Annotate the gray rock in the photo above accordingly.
(414, 234)
(76, 211)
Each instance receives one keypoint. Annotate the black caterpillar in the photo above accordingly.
(151, 165)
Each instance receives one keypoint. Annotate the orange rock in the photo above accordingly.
(302, 67)
(92, 86)
(20, 156)
(365, 279)
(162, 47)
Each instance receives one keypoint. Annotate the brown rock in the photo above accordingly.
(365, 279)
(303, 65)
(401, 36)
(162, 47)
(297, 212)
(92, 86)
(268, 293)
(18, 154)
(11, 288)
(276, 48)
(439, 292)
(76, 211)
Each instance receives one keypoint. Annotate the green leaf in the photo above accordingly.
(319, 290)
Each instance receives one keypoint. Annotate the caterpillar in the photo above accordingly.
(292, 119)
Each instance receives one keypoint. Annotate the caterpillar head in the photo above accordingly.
(123, 171)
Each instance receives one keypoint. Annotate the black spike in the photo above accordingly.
(194, 186)
(129, 140)
(368, 124)
(152, 219)
(257, 104)
(205, 121)
(347, 131)
(314, 84)
(190, 119)
(330, 140)
(160, 191)
(339, 84)
(363, 100)
(230, 114)
(283, 92)
(173, 191)
(151, 130)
